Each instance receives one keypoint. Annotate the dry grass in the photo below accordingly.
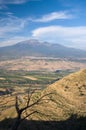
(30, 77)
(68, 97)
(1, 78)
(7, 108)
(71, 91)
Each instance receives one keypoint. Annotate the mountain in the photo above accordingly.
(34, 47)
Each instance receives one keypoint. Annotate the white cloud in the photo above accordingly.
(11, 29)
(13, 40)
(70, 36)
(11, 24)
(12, 1)
(54, 16)
(2, 2)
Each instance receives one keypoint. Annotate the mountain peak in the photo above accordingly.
(30, 42)
(34, 47)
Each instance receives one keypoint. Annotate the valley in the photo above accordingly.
(43, 64)
(50, 80)
(66, 97)
(28, 79)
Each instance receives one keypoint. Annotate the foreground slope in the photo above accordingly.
(70, 94)
(68, 97)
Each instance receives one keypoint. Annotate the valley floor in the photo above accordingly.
(43, 64)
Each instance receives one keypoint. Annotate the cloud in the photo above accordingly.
(70, 36)
(5, 2)
(10, 25)
(12, 1)
(53, 16)
(13, 40)
(12, 29)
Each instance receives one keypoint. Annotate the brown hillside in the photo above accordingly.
(68, 97)
(70, 93)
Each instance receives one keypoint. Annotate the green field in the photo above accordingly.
(33, 79)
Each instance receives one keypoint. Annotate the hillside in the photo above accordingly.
(70, 94)
(68, 97)
(65, 110)
(35, 48)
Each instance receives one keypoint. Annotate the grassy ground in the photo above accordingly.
(38, 79)
(68, 97)
(20, 82)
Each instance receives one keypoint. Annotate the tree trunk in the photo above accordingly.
(17, 123)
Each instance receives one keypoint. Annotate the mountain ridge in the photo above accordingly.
(43, 49)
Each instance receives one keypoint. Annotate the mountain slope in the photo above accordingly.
(35, 48)
(70, 94)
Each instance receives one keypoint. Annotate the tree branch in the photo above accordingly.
(29, 115)
(36, 102)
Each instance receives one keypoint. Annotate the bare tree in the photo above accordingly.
(21, 109)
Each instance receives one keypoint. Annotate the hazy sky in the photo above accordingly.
(56, 21)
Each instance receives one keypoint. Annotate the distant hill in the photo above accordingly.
(35, 48)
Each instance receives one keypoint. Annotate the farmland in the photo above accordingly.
(26, 79)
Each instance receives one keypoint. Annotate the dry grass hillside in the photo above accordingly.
(68, 97)
(70, 93)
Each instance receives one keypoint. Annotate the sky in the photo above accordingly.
(55, 21)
